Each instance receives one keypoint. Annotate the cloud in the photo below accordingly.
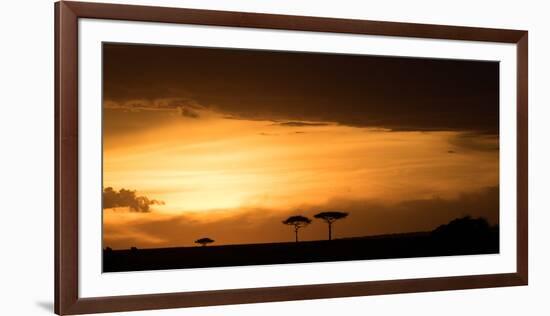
(475, 141)
(187, 112)
(257, 225)
(301, 124)
(127, 198)
(185, 106)
(402, 94)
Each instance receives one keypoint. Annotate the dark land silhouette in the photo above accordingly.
(463, 236)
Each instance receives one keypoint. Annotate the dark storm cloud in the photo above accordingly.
(127, 198)
(396, 93)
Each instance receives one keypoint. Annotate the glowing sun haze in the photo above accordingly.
(234, 177)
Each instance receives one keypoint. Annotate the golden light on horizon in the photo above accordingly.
(217, 168)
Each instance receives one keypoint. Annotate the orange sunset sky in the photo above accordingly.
(228, 143)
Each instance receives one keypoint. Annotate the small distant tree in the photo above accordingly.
(329, 218)
(298, 222)
(204, 241)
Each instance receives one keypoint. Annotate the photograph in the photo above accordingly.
(219, 157)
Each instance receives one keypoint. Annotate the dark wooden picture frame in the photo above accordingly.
(67, 300)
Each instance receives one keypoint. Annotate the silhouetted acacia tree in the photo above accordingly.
(298, 222)
(204, 241)
(329, 218)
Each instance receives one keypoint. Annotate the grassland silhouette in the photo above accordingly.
(461, 236)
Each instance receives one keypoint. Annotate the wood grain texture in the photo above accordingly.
(67, 301)
(522, 158)
(289, 22)
(66, 159)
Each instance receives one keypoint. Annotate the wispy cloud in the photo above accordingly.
(301, 124)
(267, 134)
(184, 106)
(187, 112)
(475, 141)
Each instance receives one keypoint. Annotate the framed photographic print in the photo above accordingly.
(212, 157)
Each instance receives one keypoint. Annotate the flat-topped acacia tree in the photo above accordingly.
(298, 221)
(204, 241)
(329, 218)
